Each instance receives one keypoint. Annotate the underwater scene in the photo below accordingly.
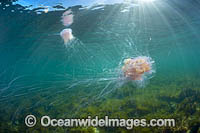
(125, 59)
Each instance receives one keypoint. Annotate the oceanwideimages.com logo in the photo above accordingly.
(46, 121)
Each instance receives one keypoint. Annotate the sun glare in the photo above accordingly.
(138, 1)
(146, 1)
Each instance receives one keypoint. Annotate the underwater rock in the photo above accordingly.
(194, 126)
(189, 93)
(188, 101)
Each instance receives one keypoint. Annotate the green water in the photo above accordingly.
(39, 75)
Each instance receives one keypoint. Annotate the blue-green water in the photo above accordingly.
(39, 75)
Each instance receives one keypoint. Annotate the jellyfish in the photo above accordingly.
(67, 18)
(135, 68)
(66, 35)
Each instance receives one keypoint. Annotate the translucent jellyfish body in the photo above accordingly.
(67, 18)
(66, 35)
(136, 68)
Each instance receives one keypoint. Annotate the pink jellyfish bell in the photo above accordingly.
(135, 68)
(67, 18)
(66, 35)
